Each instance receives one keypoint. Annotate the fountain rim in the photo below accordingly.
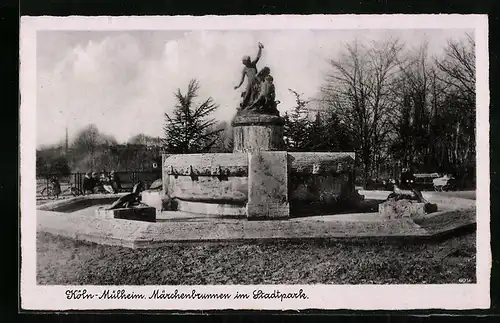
(256, 119)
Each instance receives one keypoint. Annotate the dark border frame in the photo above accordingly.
(169, 7)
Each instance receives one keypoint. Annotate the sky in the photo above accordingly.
(124, 82)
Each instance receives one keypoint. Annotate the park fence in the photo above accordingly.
(75, 180)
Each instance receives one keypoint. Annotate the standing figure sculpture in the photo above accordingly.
(259, 95)
(250, 71)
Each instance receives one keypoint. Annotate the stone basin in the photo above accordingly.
(259, 180)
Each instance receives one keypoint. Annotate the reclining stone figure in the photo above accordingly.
(411, 194)
(398, 202)
(130, 200)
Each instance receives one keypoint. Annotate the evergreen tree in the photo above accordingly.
(189, 129)
(297, 129)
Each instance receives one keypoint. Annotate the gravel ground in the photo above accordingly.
(65, 261)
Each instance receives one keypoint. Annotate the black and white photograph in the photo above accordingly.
(255, 162)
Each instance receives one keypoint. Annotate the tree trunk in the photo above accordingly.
(457, 138)
(367, 163)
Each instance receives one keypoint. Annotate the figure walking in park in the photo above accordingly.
(88, 183)
(250, 71)
(56, 187)
(115, 182)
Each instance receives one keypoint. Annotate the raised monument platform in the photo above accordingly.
(259, 180)
(77, 220)
(401, 209)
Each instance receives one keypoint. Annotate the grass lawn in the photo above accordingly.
(470, 195)
(64, 261)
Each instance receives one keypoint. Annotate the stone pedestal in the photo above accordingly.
(268, 185)
(253, 132)
(260, 179)
(153, 198)
(400, 209)
(140, 213)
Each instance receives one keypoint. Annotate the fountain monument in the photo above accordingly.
(259, 179)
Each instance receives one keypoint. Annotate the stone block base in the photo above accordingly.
(141, 213)
(257, 132)
(271, 211)
(153, 199)
(431, 207)
(401, 209)
(268, 185)
(217, 209)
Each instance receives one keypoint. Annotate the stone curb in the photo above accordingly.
(430, 196)
(50, 206)
(136, 234)
(369, 239)
(142, 235)
(252, 119)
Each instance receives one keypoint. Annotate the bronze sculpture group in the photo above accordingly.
(259, 95)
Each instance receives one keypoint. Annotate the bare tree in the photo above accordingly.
(459, 68)
(434, 122)
(458, 73)
(87, 140)
(415, 105)
(358, 88)
(89, 144)
(224, 143)
(144, 140)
